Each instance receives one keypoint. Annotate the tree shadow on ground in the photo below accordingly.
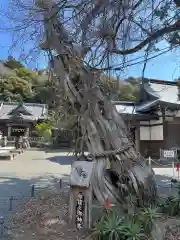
(50, 150)
(165, 187)
(62, 160)
(21, 190)
(163, 165)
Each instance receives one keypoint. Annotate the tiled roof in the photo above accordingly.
(126, 109)
(158, 92)
(163, 90)
(130, 110)
(36, 111)
(146, 105)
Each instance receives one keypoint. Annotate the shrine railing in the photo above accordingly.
(37, 141)
(31, 139)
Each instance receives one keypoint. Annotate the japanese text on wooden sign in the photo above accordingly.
(18, 130)
(169, 153)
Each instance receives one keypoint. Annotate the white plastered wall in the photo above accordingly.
(149, 131)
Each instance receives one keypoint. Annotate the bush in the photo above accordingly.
(171, 205)
(44, 130)
(109, 227)
(27, 74)
(12, 63)
(147, 216)
(114, 225)
(132, 230)
(13, 88)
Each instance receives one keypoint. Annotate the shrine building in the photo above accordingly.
(19, 119)
(155, 119)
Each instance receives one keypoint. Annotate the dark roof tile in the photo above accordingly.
(37, 111)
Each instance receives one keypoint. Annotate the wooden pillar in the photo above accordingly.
(80, 203)
(9, 130)
(137, 138)
(27, 132)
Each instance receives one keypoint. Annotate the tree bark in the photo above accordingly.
(103, 129)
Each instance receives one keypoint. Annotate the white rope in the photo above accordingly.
(108, 153)
(169, 164)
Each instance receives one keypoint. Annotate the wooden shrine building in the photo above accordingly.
(154, 120)
(19, 119)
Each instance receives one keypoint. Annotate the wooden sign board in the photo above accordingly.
(18, 130)
(81, 173)
(169, 153)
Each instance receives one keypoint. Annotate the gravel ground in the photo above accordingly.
(43, 218)
(48, 216)
(44, 169)
(173, 232)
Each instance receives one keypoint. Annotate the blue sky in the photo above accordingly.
(164, 67)
(5, 45)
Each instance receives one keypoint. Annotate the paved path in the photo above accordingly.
(32, 167)
(164, 176)
(40, 167)
(46, 168)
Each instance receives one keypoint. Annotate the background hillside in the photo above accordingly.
(18, 83)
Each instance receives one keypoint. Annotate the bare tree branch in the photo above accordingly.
(154, 36)
(120, 28)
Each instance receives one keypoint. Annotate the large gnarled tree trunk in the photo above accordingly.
(103, 129)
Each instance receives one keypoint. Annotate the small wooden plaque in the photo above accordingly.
(81, 173)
